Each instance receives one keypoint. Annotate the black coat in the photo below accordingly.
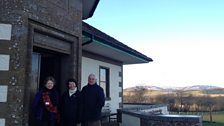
(93, 100)
(70, 109)
(38, 106)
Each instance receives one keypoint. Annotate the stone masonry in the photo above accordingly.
(63, 16)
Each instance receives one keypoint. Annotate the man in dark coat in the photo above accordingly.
(93, 100)
(70, 105)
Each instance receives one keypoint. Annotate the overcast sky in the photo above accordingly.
(185, 38)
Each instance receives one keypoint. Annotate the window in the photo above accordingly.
(104, 81)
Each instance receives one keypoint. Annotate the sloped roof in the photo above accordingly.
(88, 8)
(125, 54)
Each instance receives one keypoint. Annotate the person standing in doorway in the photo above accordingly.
(70, 104)
(45, 104)
(92, 101)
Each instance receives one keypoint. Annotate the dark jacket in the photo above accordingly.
(93, 100)
(38, 107)
(70, 109)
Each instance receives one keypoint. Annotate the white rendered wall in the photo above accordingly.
(92, 66)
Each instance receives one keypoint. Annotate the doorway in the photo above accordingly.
(51, 52)
(46, 63)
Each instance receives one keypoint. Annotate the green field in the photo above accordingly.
(212, 124)
(218, 119)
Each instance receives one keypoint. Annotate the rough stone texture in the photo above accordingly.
(145, 122)
(170, 120)
(64, 16)
(156, 119)
(12, 13)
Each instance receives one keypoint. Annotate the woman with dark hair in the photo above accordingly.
(45, 104)
(69, 104)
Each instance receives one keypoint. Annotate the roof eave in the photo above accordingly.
(89, 7)
(120, 54)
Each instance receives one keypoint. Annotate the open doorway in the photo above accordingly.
(47, 63)
(51, 52)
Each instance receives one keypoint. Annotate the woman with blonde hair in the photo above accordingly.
(45, 104)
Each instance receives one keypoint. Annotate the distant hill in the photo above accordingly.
(144, 87)
(188, 88)
(214, 91)
(200, 87)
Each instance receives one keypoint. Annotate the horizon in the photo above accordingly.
(184, 38)
(165, 87)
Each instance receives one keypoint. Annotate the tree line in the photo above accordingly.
(177, 101)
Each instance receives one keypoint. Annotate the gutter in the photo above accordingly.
(114, 48)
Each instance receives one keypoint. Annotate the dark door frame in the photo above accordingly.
(43, 36)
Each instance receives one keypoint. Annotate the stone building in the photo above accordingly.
(39, 38)
(29, 29)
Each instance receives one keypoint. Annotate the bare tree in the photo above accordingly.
(139, 95)
(209, 103)
(188, 102)
(180, 94)
(127, 97)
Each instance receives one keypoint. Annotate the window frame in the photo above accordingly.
(107, 81)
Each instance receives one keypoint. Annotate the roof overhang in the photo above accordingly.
(88, 8)
(98, 42)
(106, 50)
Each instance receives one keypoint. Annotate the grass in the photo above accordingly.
(212, 124)
(218, 119)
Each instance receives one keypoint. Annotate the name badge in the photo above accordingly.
(47, 103)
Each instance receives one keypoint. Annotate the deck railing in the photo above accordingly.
(154, 116)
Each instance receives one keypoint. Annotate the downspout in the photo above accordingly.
(89, 41)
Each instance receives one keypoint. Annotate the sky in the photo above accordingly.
(185, 39)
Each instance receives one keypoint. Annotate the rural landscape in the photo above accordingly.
(206, 101)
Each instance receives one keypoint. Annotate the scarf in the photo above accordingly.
(48, 104)
(71, 92)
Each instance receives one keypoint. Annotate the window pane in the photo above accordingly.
(104, 81)
(103, 85)
(102, 74)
